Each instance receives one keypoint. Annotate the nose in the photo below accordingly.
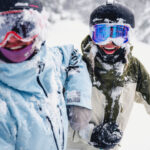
(110, 43)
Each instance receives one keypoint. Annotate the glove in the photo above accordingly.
(79, 117)
(106, 136)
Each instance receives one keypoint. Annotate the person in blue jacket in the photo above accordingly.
(38, 84)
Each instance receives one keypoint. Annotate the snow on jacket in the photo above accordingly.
(34, 95)
(115, 89)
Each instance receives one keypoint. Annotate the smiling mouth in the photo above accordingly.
(15, 48)
(110, 51)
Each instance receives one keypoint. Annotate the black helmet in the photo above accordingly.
(7, 5)
(111, 13)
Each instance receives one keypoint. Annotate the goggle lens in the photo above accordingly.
(102, 32)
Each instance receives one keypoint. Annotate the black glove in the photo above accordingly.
(106, 136)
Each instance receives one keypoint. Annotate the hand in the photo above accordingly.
(106, 136)
(79, 117)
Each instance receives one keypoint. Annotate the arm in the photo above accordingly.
(78, 92)
(78, 85)
(143, 87)
(78, 116)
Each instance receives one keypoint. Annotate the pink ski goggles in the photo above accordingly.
(14, 23)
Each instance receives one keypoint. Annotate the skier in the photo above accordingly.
(38, 84)
(118, 78)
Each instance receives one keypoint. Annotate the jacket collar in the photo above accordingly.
(22, 76)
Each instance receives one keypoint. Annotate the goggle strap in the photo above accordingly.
(11, 12)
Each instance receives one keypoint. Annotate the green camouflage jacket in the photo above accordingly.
(107, 77)
(115, 88)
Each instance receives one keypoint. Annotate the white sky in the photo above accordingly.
(137, 135)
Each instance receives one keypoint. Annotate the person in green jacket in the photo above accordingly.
(118, 78)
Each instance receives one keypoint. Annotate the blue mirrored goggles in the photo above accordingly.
(101, 32)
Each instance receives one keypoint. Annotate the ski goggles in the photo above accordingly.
(20, 25)
(101, 32)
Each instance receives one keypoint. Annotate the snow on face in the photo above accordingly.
(2, 22)
(119, 41)
(40, 21)
(39, 24)
(118, 66)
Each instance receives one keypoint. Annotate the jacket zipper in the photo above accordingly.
(63, 136)
(52, 131)
(41, 66)
(40, 84)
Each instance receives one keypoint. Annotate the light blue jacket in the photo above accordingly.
(34, 95)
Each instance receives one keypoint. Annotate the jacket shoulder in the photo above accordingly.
(138, 67)
(143, 79)
(134, 68)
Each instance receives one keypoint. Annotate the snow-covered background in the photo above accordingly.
(74, 9)
(69, 24)
(137, 133)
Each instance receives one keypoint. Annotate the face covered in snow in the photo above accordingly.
(111, 40)
(20, 31)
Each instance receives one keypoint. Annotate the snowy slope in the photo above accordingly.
(137, 134)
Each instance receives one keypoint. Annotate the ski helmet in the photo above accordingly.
(111, 13)
(7, 5)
